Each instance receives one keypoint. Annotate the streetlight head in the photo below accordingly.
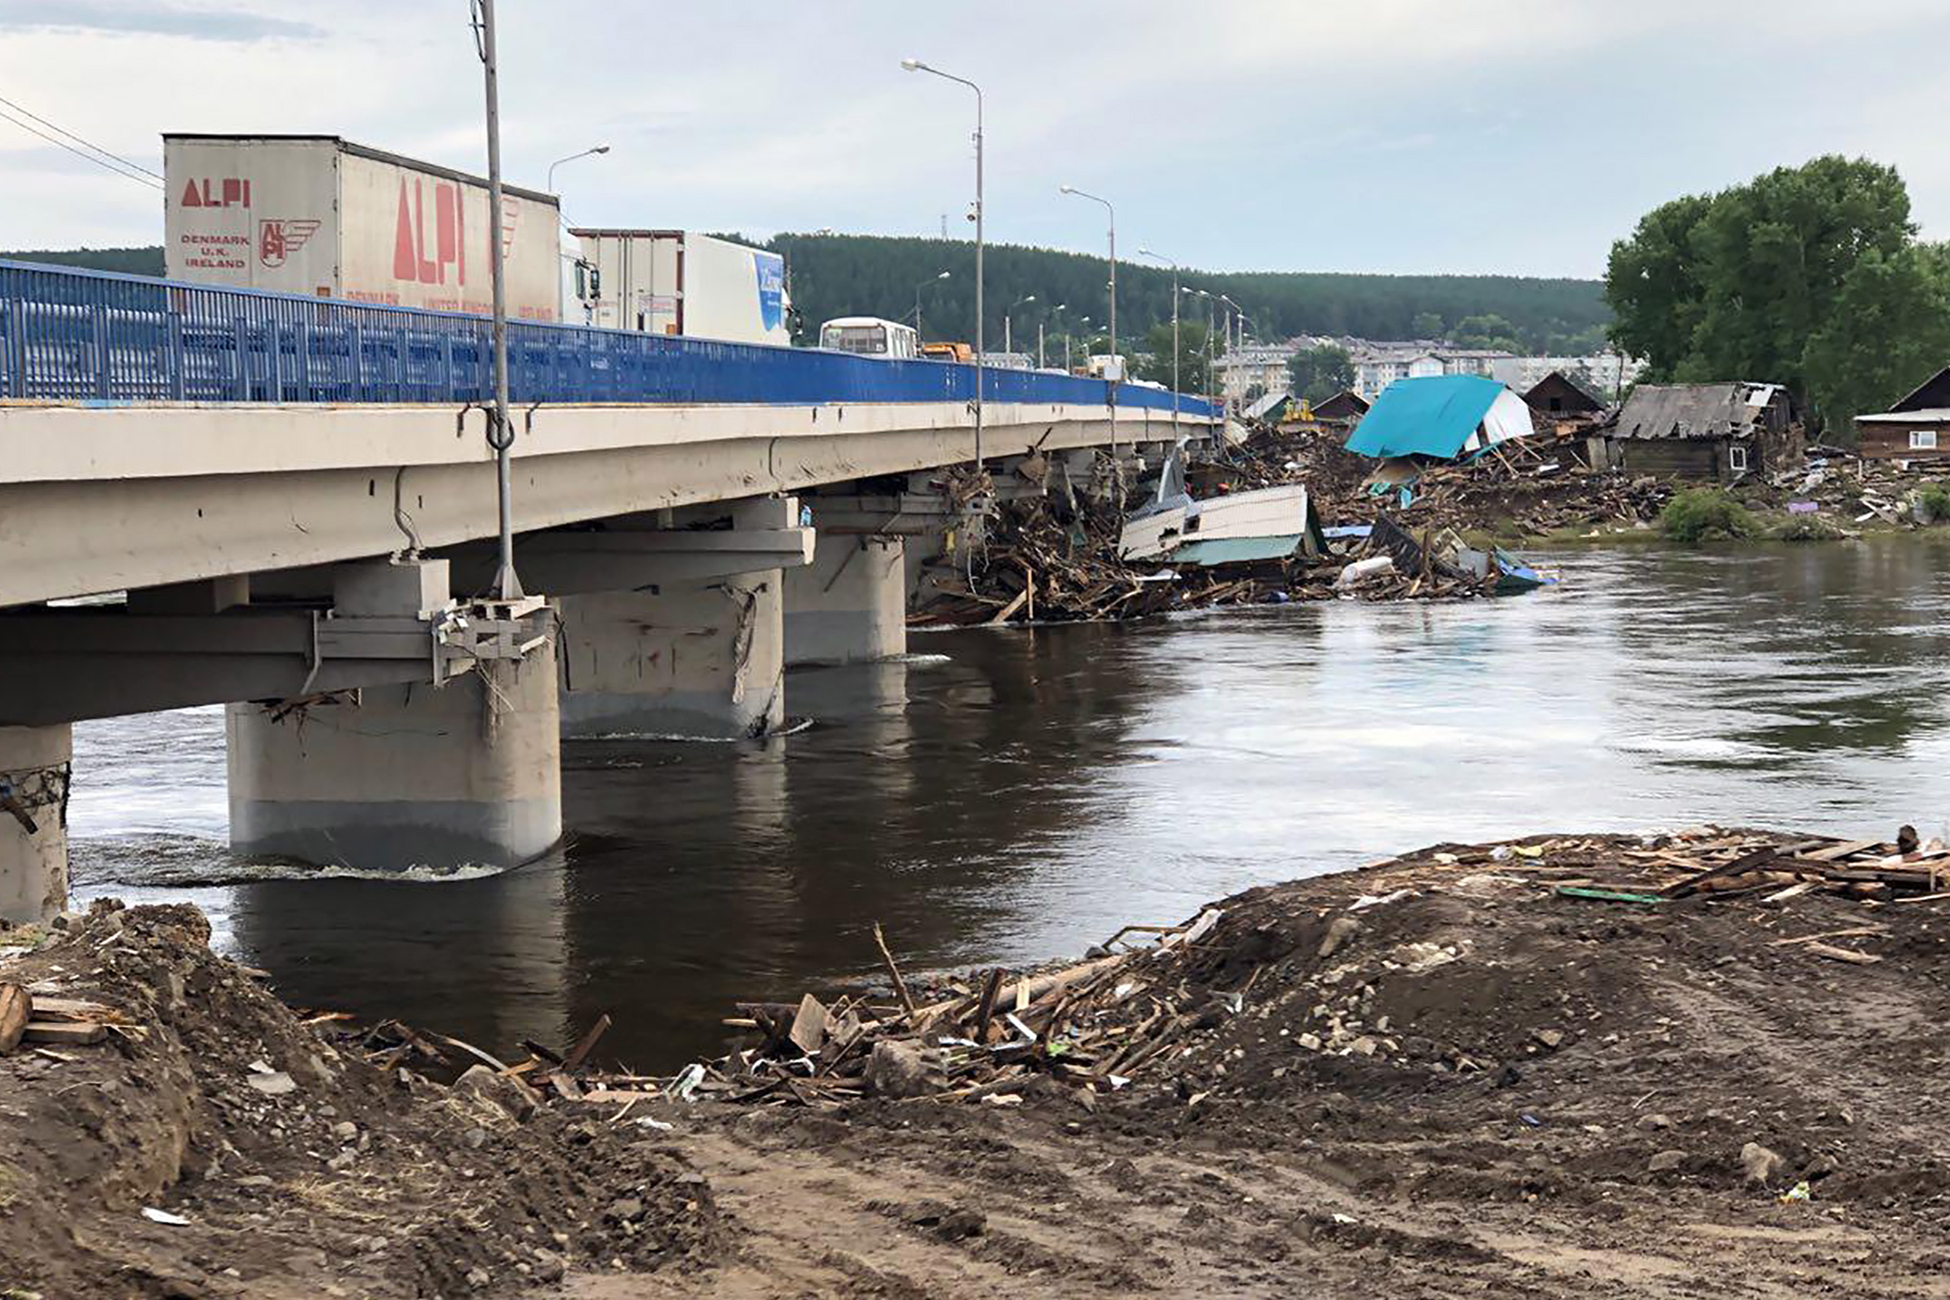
(912, 65)
(1145, 252)
(1066, 189)
(944, 275)
(601, 148)
(1030, 298)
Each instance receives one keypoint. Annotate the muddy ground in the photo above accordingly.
(1434, 1077)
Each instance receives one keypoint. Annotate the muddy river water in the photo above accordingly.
(1018, 795)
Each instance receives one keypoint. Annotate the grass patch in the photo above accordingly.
(1810, 528)
(1706, 514)
(1933, 503)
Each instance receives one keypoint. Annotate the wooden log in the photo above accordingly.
(894, 971)
(1848, 955)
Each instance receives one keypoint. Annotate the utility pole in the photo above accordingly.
(501, 431)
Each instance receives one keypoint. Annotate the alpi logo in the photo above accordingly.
(230, 192)
(277, 240)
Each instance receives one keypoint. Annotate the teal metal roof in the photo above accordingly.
(1424, 417)
(1235, 550)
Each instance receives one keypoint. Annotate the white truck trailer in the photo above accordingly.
(314, 214)
(680, 282)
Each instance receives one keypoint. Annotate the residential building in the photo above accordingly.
(1255, 368)
(1714, 432)
(1916, 428)
(1605, 374)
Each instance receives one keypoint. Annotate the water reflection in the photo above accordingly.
(1033, 791)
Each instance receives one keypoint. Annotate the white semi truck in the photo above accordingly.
(681, 282)
(323, 216)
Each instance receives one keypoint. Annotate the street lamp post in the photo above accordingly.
(1117, 368)
(917, 297)
(1008, 320)
(1160, 257)
(1040, 364)
(915, 65)
(592, 149)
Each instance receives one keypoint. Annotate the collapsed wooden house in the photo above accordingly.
(1713, 433)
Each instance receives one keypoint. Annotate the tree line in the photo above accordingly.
(1809, 276)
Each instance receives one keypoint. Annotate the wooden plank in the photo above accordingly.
(1842, 850)
(581, 1049)
(14, 1015)
(1744, 863)
(1849, 933)
(77, 1033)
(894, 971)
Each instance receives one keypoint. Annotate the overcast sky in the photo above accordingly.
(1517, 136)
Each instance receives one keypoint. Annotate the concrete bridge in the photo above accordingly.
(285, 505)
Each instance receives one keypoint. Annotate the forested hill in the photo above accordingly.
(840, 275)
(872, 275)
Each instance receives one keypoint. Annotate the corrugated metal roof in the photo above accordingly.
(1693, 410)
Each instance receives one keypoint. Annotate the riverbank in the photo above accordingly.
(1440, 1074)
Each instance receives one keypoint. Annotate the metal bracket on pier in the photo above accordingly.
(487, 631)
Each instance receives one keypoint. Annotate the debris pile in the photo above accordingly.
(1362, 967)
(174, 1130)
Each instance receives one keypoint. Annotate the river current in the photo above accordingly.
(1015, 795)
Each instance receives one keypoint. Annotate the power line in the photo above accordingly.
(136, 175)
(27, 112)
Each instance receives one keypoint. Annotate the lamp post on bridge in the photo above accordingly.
(1008, 318)
(915, 65)
(1039, 333)
(1116, 363)
(591, 150)
(917, 297)
(1160, 257)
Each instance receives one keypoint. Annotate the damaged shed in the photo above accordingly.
(1714, 433)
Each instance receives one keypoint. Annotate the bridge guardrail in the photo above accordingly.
(68, 334)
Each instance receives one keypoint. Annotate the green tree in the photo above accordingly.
(1320, 372)
(1652, 282)
(1154, 360)
(1426, 325)
(1888, 332)
(1486, 331)
(1808, 276)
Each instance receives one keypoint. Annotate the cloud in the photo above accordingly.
(128, 19)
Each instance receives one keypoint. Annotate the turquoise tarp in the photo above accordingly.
(1424, 417)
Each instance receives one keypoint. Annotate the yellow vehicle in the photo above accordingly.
(948, 351)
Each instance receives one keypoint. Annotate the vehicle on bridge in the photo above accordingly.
(680, 282)
(322, 216)
(947, 352)
(870, 336)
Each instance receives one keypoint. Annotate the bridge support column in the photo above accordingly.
(850, 604)
(34, 764)
(396, 776)
(700, 659)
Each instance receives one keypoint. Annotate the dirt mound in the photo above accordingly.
(214, 1145)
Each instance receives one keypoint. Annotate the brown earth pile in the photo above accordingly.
(301, 1171)
(1437, 1077)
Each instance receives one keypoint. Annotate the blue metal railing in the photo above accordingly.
(75, 335)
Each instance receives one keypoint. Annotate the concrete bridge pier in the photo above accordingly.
(850, 604)
(34, 766)
(696, 659)
(397, 776)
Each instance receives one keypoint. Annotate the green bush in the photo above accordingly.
(1933, 503)
(1706, 514)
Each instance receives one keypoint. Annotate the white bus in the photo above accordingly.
(870, 336)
